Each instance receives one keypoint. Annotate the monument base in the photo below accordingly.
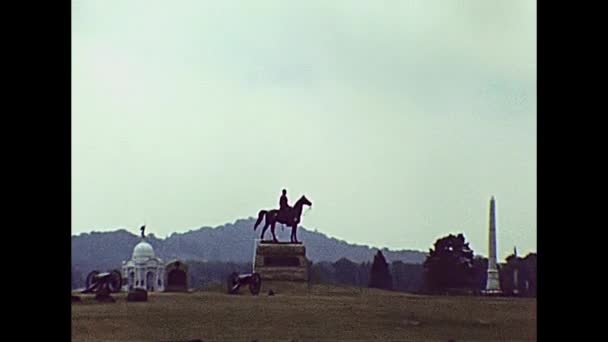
(281, 262)
(491, 292)
(492, 283)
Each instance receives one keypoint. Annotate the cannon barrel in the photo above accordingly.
(102, 276)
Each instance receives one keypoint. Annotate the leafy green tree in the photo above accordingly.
(449, 264)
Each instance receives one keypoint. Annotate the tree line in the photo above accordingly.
(450, 268)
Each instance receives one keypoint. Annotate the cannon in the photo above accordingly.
(102, 284)
(235, 281)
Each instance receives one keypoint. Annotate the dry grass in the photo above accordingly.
(322, 313)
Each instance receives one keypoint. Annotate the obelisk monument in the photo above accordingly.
(492, 284)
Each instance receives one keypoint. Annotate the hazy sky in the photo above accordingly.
(398, 119)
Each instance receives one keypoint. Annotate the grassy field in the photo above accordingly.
(322, 313)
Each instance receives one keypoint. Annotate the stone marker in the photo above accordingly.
(137, 295)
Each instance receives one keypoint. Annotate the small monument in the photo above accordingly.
(137, 295)
(176, 276)
(492, 283)
(515, 273)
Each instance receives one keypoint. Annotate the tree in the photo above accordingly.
(407, 277)
(322, 273)
(380, 276)
(518, 275)
(511, 275)
(530, 269)
(450, 264)
(479, 273)
(346, 272)
(78, 280)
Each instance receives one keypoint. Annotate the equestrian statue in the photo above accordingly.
(285, 215)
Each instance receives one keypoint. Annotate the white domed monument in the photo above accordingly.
(144, 270)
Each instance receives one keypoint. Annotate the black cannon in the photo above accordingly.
(102, 284)
(235, 281)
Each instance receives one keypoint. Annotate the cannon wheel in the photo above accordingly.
(233, 279)
(90, 278)
(115, 284)
(255, 284)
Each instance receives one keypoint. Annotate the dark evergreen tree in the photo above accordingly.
(380, 276)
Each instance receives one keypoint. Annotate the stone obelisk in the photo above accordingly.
(492, 284)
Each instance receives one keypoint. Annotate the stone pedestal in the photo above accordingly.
(281, 262)
(493, 283)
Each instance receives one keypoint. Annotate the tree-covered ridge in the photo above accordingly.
(227, 243)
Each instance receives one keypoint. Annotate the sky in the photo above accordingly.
(398, 119)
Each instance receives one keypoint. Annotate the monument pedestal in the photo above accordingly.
(281, 264)
(492, 283)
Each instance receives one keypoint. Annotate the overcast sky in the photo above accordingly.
(398, 119)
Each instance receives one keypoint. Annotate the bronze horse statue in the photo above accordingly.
(291, 219)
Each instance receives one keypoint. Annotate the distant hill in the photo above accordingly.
(227, 243)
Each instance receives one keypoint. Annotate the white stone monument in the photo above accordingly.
(492, 283)
(144, 270)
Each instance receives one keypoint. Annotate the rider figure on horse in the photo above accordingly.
(284, 208)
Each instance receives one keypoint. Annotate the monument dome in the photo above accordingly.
(143, 251)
